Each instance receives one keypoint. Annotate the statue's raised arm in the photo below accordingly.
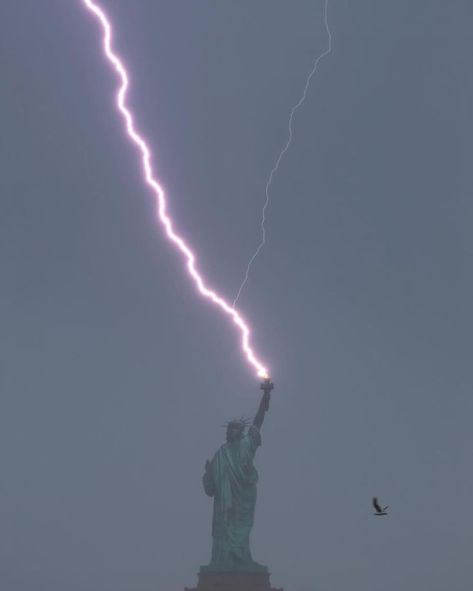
(266, 386)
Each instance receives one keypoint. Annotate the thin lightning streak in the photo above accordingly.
(283, 151)
(158, 191)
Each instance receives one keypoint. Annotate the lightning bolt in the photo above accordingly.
(283, 151)
(163, 218)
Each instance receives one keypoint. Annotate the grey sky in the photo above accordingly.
(115, 378)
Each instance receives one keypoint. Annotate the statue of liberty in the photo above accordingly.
(230, 478)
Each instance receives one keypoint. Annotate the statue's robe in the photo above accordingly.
(231, 480)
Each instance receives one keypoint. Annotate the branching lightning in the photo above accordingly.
(283, 151)
(159, 194)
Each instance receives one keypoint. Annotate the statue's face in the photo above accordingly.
(234, 432)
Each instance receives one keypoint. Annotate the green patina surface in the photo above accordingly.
(230, 478)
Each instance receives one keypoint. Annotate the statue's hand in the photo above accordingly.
(266, 399)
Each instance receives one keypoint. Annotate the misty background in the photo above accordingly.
(115, 378)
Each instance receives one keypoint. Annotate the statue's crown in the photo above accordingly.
(240, 423)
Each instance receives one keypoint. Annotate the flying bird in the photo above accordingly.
(379, 510)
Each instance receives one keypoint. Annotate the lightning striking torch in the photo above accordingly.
(144, 152)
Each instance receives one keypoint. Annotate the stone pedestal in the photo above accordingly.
(236, 581)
